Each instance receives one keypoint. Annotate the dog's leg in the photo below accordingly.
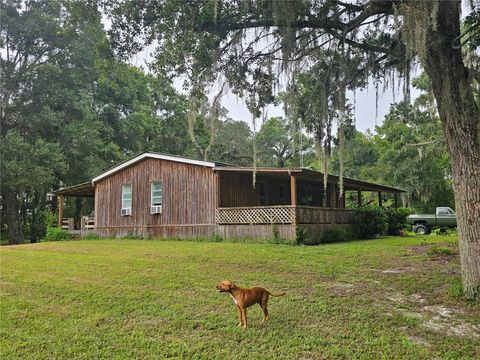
(244, 316)
(239, 316)
(263, 305)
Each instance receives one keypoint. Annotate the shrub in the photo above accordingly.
(336, 235)
(333, 235)
(302, 237)
(54, 233)
(216, 238)
(372, 221)
(51, 218)
(397, 220)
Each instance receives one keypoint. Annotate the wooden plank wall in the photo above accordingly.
(285, 232)
(189, 200)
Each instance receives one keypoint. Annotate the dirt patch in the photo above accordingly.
(401, 299)
(418, 340)
(419, 249)
(340, 289)
(399, 270)
(436, 318)
(444, 320)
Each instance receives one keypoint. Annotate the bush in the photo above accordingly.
(397, 220)
(333, 235)
(54, 233)
(336, 235)
(301, 237)
(372, 221)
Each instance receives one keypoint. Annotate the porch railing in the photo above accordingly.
(87, 224)
(284, 214)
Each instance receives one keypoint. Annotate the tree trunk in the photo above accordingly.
(14, 223)
(461, 124)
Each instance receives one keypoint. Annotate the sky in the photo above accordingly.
(364, 110)
(365, 104)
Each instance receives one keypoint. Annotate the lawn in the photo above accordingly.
(124, 299)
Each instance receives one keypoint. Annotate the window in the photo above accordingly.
(156, 193)
(443, 212)
(126, 199)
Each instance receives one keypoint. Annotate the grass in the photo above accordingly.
(124, 299)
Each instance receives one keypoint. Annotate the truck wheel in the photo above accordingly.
(421, 229)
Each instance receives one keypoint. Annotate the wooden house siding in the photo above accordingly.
(188, 202)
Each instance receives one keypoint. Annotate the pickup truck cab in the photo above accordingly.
(423, 223)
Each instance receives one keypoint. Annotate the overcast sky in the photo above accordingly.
(365, 100)
(364, 110)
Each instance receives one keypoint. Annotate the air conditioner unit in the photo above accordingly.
(126, 211)
(157, 209)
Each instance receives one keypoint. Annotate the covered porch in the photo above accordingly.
(284, 200)
(79, 223)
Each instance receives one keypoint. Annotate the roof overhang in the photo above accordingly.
(148, 155)
(311, 175)
(85, 189)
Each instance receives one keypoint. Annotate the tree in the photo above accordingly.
(225, 37)
(276, 145)
(69, 110)
(413, 155)
(233, 144)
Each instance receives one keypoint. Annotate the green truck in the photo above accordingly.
(424, 223)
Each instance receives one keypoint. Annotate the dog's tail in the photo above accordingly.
(281, 294)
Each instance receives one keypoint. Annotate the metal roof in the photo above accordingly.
(151, 155)
(317, 176)
(85, 189)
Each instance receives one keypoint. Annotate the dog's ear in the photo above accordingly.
(231, 286)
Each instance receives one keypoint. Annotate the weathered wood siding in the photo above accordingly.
(285, 233)
(189, 200)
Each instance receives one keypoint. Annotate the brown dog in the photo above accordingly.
(244, 298)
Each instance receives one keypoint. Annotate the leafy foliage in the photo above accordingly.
(397, 219)
(372, 222)
(55, 233)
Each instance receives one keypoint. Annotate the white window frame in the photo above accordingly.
(124, 199)
(152, 203)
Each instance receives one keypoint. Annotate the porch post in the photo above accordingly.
(396, 200)
(60, 209)
(359, 198)
(380, 198)
(293, 190)
(293, 198)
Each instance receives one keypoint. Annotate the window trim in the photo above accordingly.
(151, 193)
(123, 193)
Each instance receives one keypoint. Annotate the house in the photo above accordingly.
(158, 195)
